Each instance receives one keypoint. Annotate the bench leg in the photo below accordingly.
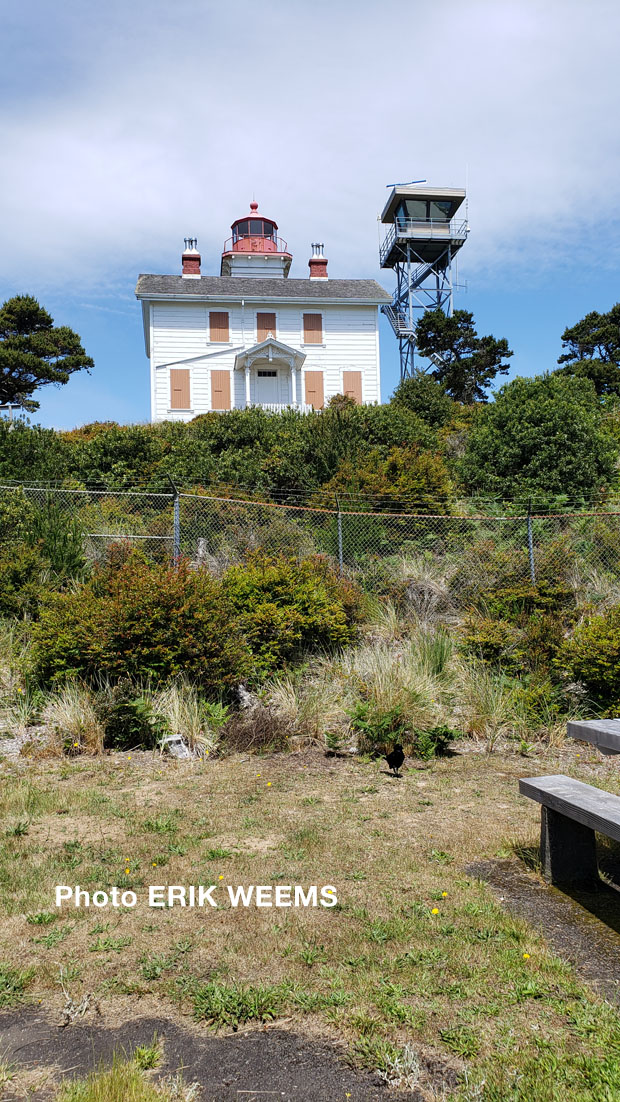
(567, 851)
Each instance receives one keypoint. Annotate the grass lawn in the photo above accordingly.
(418, 971)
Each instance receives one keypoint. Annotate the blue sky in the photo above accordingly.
(125, 128)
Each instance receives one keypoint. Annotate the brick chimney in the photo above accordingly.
(191, 259)
(317, 263)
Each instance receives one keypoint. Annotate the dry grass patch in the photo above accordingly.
(416, 953)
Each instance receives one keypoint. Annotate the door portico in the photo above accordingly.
(270, 371)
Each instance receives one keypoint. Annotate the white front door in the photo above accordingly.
(267, 391)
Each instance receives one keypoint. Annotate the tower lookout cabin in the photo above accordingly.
(421, 241)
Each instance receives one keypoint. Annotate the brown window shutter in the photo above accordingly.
(220, 390)
(352, 385)
(314, 389)
(179, 388)
(265, 324)
(218, 325)
(313, 329)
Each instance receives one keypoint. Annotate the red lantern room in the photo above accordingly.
(255, 248)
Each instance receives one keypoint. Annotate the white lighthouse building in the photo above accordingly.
(253, 336)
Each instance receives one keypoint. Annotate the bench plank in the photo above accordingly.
(602, 733)
(585, 804)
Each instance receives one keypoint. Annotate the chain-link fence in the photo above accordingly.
(467, 553)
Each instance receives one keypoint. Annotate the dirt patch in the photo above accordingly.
(263, 1063)
(583, 929)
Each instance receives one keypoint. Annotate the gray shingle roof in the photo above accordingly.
(236, 287)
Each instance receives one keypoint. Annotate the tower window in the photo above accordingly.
(424, 210)
(256, 227)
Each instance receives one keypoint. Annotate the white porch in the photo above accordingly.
(275, 407)
(271, 377)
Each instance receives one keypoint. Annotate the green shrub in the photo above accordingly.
(543, 635)
(60, 539)
(493, 575)
(520, 444)
(517, 602)
(219, 1004)
(130, 720)
(13, 983)
(376, 728)
(592, 657)
(22, 580)
(539, 700)
(40, 549)
(530, 646)
(434, 742)
(144, 622)
(493, 641)
(285, 607)
(426, 397)
(16, 514)
(383, 480)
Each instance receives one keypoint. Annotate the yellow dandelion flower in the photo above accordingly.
(526, 956)
(154, 864)
(76, 744)
(127, 870)
(435, 911)
(444, 894)
(220, 877)
(268, 784)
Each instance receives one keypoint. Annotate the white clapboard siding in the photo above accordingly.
(180, 338)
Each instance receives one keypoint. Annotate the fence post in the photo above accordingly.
(530, 542)
(340, 552)
(176, 521)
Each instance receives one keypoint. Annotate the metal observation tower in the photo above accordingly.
(420, 243)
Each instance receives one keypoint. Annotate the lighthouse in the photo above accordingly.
(255, 336)
(254, 250)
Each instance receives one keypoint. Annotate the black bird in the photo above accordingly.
(395, 758)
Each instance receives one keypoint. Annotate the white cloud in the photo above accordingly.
(161, 120)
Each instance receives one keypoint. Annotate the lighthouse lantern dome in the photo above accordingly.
(254, 249)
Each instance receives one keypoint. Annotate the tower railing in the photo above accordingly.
(421, 229)
(243, 244)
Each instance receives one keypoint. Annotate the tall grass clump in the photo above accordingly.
(71, 713)
(313, 706)
(490, 707)
(427, 582)
(372, 694)
(187, 714)
(125, 1082)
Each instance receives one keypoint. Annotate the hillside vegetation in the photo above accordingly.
(545, 437)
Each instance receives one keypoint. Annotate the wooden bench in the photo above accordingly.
(571, 812)
(602, 733)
